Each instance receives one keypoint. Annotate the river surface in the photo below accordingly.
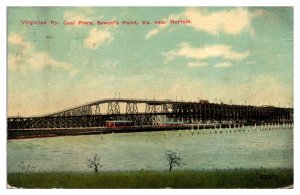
(250, 148)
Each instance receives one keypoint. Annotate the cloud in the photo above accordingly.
(151, 33)
(223, 65)
(97, 38)
(27, 57)
(17, 39)
(162, 26)
(202, 53)
(197, 64)
(229, 21)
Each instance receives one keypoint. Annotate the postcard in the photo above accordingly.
(150, 97)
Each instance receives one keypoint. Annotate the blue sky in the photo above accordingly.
(227, 53)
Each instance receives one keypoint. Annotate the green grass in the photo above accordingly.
(236, 178)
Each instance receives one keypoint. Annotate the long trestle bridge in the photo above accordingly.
(150, 113)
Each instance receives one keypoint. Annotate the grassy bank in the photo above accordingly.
(237, 178)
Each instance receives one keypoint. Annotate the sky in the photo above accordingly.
(228, 54)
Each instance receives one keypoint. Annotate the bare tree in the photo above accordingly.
(24, 166)
(94, 163)
(174, 159)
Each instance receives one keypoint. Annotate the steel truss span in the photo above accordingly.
(151, 113)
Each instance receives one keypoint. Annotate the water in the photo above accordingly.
(146, 150)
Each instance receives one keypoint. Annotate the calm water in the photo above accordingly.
(146, 150)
